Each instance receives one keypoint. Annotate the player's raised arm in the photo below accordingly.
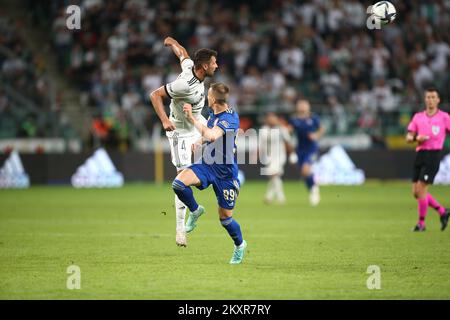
(177, 49)
(157, 100)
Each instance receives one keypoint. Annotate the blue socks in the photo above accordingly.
(185, 194)
(234, 230)
(309, 180)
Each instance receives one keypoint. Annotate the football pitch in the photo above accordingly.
(123, 241)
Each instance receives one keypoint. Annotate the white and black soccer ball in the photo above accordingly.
(384, 11)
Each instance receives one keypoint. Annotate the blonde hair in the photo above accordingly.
(220, 92)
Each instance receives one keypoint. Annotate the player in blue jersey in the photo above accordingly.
(217, 166)
(308, 130)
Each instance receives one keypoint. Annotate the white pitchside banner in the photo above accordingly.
(336, 167)
(443, 175)
(12, 174)
(98, 172)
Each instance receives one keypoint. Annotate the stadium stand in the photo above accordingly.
(271, 53)
(29, 105)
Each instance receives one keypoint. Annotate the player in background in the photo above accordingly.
(217, 167)
(308, 130)
(187, 88)
(274, 143)
(428, 128)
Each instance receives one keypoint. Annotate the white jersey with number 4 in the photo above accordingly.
(187, 88)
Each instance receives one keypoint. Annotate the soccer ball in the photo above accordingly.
(384, 11)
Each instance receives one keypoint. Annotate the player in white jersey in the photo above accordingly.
(274, 143)
(187, 88)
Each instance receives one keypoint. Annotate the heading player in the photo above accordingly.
(428, 128)
(187, 88)
(217, 167)
(308, 130)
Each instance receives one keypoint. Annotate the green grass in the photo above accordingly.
(124, 244)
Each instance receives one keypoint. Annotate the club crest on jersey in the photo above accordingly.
(435, 130)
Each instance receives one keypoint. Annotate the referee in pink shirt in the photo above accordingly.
(428, 128)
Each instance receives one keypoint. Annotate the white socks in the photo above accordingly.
(180, 209)
(275, 189)
(270, 190)
(279, 189)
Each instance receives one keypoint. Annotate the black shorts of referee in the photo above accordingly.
(426, 165)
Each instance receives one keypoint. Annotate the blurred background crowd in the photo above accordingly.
(271, 53)
(26, 107)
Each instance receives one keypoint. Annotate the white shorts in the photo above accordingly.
(181, 147)
(275, 168)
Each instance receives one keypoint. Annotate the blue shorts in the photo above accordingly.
(226, 190)
(306, 158)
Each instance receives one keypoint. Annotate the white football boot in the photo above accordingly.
(181, 239)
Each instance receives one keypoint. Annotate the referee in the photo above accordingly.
(428, 128)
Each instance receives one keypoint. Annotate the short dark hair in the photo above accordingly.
(431, 89)
(221, 92)
(202, 56)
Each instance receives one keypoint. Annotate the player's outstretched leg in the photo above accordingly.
(234, 230)
(186, 195)
(180, 209)
(238, 253)
(193, 217)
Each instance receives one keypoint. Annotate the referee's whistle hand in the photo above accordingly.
(421, 138)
